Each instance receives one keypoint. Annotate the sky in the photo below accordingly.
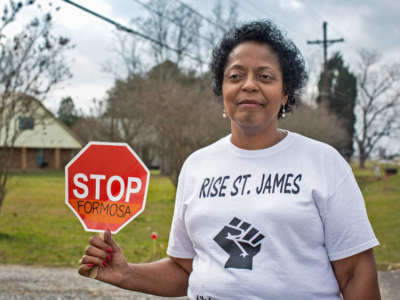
(370, 24)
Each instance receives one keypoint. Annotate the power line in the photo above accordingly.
(334, 26)
(201, 16)
(259, 10)
(249, 14)
(146, 6)
(325, 43)
(134, 32)
(317, 14)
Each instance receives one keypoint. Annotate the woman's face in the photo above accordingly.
(252, 87)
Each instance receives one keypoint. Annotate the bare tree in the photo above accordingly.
(129, 108)
(222, 20)
(174, 26)
(31, 64)
(127, 60)
(156, 26)
(90, 128)
(378, 103)
(317, 123)
(168, 110)
(165, 116)
(186, 117)
(93, 126)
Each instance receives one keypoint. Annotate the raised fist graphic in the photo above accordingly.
(241, 241)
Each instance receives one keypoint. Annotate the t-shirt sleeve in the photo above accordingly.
(179, 244)
(347, 227)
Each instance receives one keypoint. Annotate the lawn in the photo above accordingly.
(37, 228)
(383, 206)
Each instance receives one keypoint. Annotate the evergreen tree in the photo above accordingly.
(67, 112)
(342, 94)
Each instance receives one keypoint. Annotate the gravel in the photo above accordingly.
(22, 282)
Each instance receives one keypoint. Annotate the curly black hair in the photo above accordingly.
(264, 32)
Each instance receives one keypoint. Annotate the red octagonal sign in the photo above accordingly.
(106, 186)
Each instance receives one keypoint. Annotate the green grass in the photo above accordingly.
(383, 206)
(37, 228)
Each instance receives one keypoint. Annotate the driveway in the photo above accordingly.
(21, 282)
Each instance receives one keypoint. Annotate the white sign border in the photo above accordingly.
(106, 144)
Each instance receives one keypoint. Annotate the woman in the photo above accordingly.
(262, 213)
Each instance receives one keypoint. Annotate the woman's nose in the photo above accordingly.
(249, 84)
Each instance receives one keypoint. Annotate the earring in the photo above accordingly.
(283, 114)
(224, 113)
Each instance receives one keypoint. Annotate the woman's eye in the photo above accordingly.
(266, 76)
(234, 76)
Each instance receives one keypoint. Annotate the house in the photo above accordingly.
(41, 140)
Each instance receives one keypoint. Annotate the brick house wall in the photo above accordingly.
(31, 158)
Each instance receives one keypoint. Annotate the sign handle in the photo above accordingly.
(93, 272)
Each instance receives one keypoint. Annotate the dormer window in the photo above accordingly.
(25, 123)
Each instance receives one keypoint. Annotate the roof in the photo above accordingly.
(47, 132)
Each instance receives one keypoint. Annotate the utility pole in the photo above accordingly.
(325, 43)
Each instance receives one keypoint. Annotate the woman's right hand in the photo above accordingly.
(108, 256)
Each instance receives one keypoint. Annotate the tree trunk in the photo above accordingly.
(5, 157)
(3, 181)
(362, 159)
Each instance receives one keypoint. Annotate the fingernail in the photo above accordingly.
(109, 250)
(105, 263)
(90, 265)
(108, 257)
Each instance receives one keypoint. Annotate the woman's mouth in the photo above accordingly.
(250, 103)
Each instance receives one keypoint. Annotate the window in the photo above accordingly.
(25, 123)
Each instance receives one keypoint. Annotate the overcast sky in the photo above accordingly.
(370, 24)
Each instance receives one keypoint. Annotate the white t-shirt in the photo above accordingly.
(265, 224)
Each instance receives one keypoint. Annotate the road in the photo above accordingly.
(22, 282)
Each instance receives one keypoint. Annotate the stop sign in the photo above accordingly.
(106, 186)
